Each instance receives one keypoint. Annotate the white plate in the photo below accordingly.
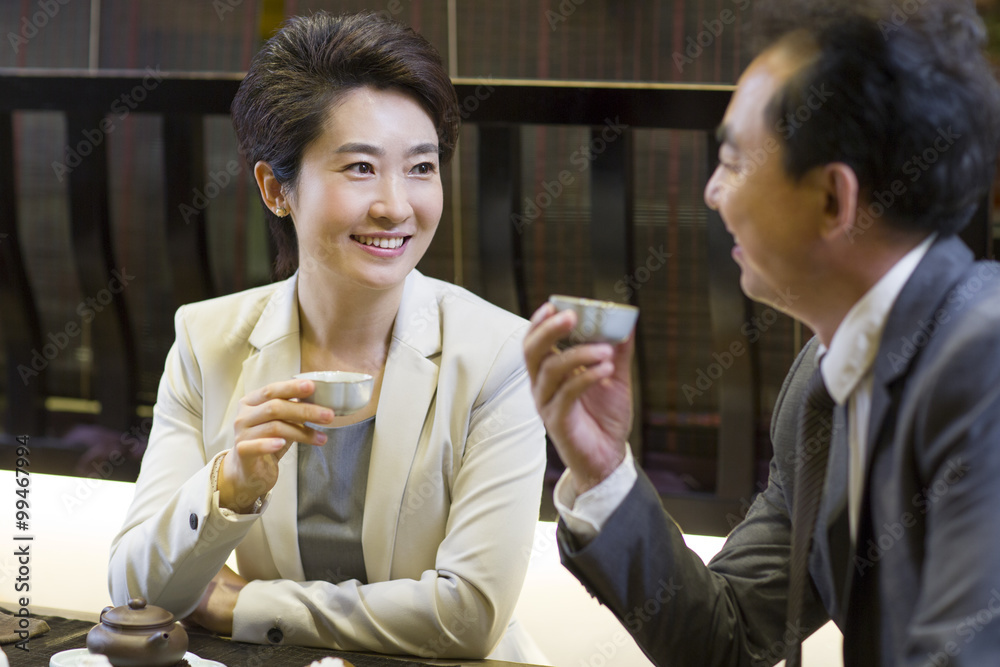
(73, 657)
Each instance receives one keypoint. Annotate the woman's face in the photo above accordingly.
(368, 198)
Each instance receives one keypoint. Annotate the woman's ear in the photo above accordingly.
(841, 184)
(269, 186)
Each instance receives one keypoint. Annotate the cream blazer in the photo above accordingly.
(453, 489)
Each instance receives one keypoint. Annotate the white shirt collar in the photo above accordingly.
(855, 342)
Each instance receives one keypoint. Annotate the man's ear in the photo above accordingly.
(841, 211)
(270, 188)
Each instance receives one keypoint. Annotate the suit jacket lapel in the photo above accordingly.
(904, 336)
(277, 356)
(408, 390)
(835, 509)
(916, 306)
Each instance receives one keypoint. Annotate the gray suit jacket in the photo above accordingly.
(922, 585)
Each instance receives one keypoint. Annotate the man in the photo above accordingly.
(856, 209)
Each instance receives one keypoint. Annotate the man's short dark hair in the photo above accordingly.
(902, 93)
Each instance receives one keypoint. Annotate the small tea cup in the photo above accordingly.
(597, 321)
(341, 391)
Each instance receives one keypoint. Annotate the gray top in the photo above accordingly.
(332, 481)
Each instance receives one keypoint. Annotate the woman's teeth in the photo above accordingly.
(388, 244)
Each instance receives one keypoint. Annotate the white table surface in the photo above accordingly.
(74, 519)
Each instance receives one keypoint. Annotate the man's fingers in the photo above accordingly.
(579, 382)
(560, 368)
(543, 336)
(544, 311)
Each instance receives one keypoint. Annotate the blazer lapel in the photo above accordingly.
(835, 508)
(277, 356)
(921, 298)
(408, 390)
(904, 336)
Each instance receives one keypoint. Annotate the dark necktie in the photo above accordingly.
(815, 426)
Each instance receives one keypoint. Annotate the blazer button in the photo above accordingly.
(193, 520)
(275, 635)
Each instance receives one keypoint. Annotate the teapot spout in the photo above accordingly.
(157, 639)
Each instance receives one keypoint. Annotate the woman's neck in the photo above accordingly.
(349, 324)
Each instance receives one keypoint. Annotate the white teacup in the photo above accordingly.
(341, 391)
(597, 321)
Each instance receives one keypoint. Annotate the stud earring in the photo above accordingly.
(281, 211)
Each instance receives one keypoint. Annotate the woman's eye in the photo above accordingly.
(424, 168)
(362, 168)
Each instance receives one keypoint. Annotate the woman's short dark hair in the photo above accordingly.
(305, 68)
(903, 94)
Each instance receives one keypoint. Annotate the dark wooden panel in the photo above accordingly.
(737, 391)
(22, 332)
(187, 195)
(118, 93)
(611, 221)
(589, 103)
(501, 221)
(683, 107)
(102, 280)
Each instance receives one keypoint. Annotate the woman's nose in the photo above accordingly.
(391, 201)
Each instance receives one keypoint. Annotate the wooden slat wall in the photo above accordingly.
(501, 120)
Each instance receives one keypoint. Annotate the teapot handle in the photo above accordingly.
(104, 611)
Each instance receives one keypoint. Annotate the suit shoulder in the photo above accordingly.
(226, 319)
(462, 310)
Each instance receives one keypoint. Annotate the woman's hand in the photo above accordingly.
(267, 423)
(583, 395)
(215, 610)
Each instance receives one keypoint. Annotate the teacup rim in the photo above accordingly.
(591, 303)
(360, 377)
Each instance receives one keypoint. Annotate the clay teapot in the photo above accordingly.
(137, 635)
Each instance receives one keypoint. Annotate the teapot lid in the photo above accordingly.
(136, 615)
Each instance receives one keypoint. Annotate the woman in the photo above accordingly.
(404, 527)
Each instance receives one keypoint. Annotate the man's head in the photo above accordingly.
(873, 121)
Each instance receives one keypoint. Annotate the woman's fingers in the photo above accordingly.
(286, 389)
(276, 410)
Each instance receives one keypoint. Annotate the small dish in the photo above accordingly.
(597, 321)
(341, 391)
(77, 658)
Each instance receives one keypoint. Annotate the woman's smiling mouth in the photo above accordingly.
(387, 243)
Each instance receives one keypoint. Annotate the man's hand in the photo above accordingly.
(583, 394)
(215, 611)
